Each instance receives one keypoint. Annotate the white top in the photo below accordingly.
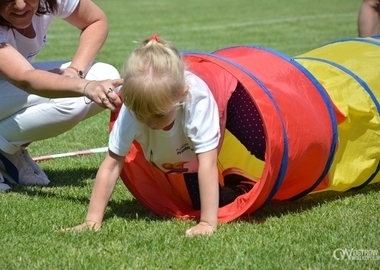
(195, 130)
(30, 47)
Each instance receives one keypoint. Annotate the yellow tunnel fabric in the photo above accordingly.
(353, 84)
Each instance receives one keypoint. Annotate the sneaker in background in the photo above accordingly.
(3, 186)
(243, 185)
(21, 169)
(234, 186)
(34, 165)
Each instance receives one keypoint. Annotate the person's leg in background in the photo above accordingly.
(245, 123)
(369, 18)
(227, 194)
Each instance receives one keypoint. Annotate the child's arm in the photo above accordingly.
(105, 182)
(209, 193)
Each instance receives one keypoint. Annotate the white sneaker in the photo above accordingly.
(21, 169)
(34, 165)
(3, 186)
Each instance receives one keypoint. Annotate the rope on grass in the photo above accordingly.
(70, 154)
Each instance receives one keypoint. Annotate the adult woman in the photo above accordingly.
(44, 100)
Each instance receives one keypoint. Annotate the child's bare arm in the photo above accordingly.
(209, 193)
(105, 182)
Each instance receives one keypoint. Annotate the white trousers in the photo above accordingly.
(25, 118)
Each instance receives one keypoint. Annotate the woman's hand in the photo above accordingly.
(103, 93)
(67, 72)
(202, 228)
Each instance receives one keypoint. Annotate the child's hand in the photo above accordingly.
(87, 225)
(202, 228)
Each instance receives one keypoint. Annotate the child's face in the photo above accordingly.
(164, 121)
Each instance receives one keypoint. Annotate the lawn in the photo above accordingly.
(310, 233)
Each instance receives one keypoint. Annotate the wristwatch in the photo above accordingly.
(79, 72)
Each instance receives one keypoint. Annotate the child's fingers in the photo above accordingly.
(199, 230)
(82, 227)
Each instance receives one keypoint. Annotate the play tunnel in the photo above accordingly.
(320, 113)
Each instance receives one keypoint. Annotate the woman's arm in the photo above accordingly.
(92, 22)
(19, 72)
(209, 193)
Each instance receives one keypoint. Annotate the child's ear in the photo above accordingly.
(184, 93)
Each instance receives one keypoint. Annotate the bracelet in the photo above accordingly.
(84, 93)
(79, 72)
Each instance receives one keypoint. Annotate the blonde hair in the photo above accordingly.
(154, 79)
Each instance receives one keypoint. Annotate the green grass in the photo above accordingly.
(283, 235)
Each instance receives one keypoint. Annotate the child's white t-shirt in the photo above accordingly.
(30, 47)
(195, 130)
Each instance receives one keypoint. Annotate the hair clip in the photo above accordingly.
(155, 37)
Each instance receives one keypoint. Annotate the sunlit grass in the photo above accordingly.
(283, 235)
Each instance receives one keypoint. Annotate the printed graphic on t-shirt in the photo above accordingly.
(178, 164)
(183, 148)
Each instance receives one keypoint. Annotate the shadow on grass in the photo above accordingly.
(281, 208)
(132, 209)
(129, 208)
(66, 178)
